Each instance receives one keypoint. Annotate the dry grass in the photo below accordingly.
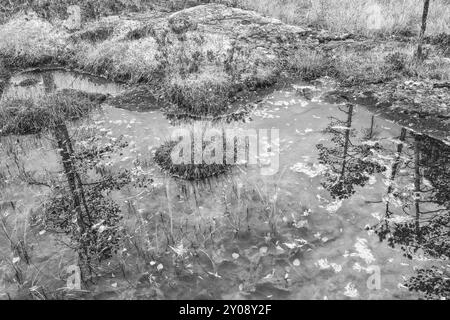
(132, 61)
(28, 40)
(367, 63)
(357, 16)
(309, 64)
(436, 68)
(207, 92)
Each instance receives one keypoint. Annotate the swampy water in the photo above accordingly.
(323, 249)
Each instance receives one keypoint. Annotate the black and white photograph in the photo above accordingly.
(223, 156)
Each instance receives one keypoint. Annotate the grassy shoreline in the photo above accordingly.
(146, 49)
(203, 64)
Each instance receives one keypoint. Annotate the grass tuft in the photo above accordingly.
(187, 171)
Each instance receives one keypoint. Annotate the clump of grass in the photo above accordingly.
(204, 71)
(350, 65)
(29, 41)
(442, 41)
(359, 65)
(365, 65)
(25, 116)
(396, 61)
(205, 93)
(188, 171)
(356, 67)
(435, 68)
(310, 64)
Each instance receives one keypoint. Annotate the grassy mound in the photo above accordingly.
(25, 116)
(204, 93)
(57, 9)
(186, 171)
(28, 40)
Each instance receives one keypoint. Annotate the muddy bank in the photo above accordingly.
(422, 106)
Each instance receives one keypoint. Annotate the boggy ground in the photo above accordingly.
(204, 58)
(197, 58)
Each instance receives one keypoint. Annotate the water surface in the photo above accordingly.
(323, 251)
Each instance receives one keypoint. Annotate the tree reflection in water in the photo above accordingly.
(417, 201)
(417, 217)
(348, 164)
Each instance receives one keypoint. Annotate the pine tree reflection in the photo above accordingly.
(349, 164)
(417, 217)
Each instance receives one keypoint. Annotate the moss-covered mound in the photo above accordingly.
(186, 171)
